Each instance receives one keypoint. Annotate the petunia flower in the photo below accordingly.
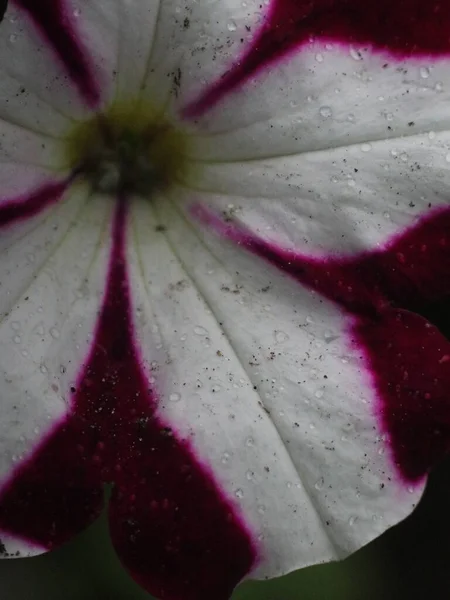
(224, 278)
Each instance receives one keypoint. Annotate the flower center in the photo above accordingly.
(128, 149)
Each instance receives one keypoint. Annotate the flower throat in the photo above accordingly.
(127, 150)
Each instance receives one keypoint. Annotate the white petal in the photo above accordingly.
(47, 321)
(35, 90)
(194, 42)
(241, 374)
(345, 199)
(298, 104)
(120, 34)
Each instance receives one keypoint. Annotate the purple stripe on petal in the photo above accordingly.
(398, 302)
(403, 29)
(19, 209)
(54, 23)
(174, 531)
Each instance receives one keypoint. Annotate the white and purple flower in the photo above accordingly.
(224, 278)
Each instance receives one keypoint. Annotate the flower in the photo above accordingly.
(224, 277)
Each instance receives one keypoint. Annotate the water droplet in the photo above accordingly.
(352, 521)
(351, 117)
(319, 57)
(43, 369)
(309, 320)
(424, 72)
(404, 157)
(366, 147)
(54, 332)
(199, 330)
(447, 157)
(76, 12)
(319, 484)
(239, 493)
(225, 458)
(250, 475)
(411, 489)
(231, 25)
(175, 397)
(280, 336)
(431, 135)
(12, 38)
(24, 353)
(261, 509)
(318, 393)
(17, 339)
(355, 54)
(325, 112)
(439, 86)
(36, 430)
(249, 442)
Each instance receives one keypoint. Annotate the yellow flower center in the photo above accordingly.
(131, 149)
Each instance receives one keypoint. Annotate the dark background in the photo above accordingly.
(410, 561)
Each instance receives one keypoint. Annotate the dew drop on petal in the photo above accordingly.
(355, 54)
(231, 25)
(319, 484)
(424, 72)
(325, 112)
(199, 330)
(54, 332)
(175, 397)
(366, 147)
(239, 493)
(280, 336)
